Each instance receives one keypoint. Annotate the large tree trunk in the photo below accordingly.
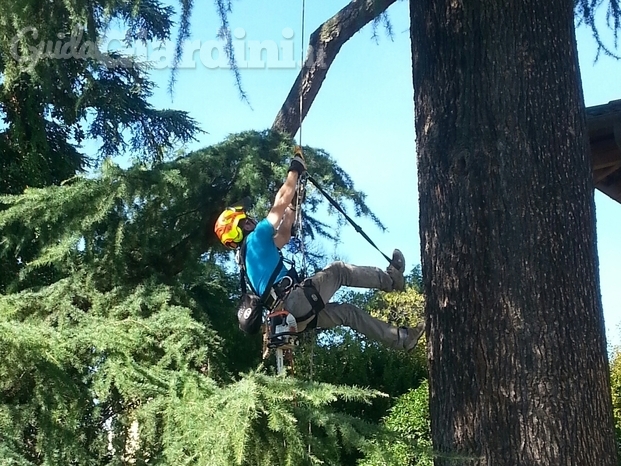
(518, 365)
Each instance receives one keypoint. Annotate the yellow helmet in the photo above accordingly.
(227, 227)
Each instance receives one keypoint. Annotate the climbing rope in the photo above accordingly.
(302, 66)
(301, 185)
(301, 193)
(297, 244)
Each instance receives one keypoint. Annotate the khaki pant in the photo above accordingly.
(327, 282)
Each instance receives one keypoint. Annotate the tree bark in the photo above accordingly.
(324, 44)
(516, 340)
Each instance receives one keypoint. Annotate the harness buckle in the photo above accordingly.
(283, 286)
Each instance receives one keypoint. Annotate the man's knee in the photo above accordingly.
(332, 315)
(337, 269)
(337, 266)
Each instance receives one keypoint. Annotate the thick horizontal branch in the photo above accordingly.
(324, 44)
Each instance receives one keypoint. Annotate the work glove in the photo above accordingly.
(297, 163)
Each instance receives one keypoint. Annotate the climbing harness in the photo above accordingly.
(281, 329)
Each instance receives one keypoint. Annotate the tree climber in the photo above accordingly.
(262, 262)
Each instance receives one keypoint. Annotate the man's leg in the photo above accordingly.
(402, 338)
(330, 279)
(336, 314)
(338, 274)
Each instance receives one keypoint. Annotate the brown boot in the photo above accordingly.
(396, 269)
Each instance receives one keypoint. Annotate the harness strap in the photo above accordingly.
(316, 302)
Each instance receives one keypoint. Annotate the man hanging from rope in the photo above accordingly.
(262, 262)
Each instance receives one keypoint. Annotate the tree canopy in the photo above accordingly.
(119, 339)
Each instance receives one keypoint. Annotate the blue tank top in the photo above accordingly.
(262, 256)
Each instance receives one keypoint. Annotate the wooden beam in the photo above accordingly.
(602, 116)
(603, 173)
(604, 145)
(604, 126)
(606, 152)
(617, 132)
(605, 159)
(613, 192)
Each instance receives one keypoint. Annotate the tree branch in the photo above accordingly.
(324, 44)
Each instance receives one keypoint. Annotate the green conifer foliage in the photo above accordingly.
(58, 88)
(61, 88)
(118, 342)
(131, 224)
(261, 420)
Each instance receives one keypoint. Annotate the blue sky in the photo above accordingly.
(363, 116)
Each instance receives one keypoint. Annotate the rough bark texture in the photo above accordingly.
(324, 44)
(518, 365)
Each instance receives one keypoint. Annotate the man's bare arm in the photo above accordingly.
(283, 235)
(284, 196)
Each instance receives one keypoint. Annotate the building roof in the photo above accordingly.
(604, 126)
